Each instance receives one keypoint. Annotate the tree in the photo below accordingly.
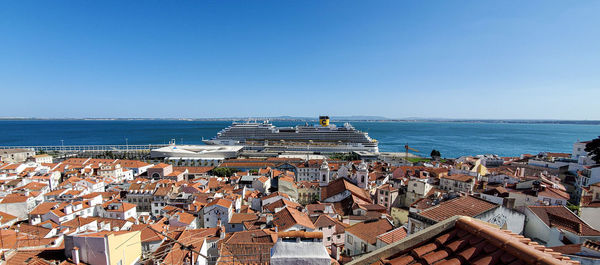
(435, 154)
(345, 156)
(593, 148)
(224, 171)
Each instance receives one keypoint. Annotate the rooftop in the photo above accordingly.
(464, 240)
(464, 205)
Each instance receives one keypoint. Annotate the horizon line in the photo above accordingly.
(342, 118)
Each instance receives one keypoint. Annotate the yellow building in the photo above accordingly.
(124, 247)
(104, 248)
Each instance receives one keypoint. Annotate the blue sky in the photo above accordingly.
(451, 59)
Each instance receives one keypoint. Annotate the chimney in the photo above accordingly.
(75, 255)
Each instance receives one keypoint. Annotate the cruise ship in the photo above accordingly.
(327, 138)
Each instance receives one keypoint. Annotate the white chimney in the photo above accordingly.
(75, 255)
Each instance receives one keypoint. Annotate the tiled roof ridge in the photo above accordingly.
(566, 222)
(591, 244)
(526, 250)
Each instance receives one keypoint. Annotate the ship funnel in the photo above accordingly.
(324, 121)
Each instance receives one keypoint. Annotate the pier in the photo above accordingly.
(88, 148)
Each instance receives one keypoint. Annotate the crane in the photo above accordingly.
(406, 147)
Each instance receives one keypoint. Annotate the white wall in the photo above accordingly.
(591, 215)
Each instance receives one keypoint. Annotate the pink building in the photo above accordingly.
(386, 196)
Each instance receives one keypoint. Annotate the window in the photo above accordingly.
(328, 238)
(350, 240)
(338, 236)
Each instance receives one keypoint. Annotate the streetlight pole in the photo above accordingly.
(62, 145)
(126, 145)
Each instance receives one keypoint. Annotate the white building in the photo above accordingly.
(217, 212)
(553, 225)
(362, 237)
(117, 210)
(17, 205)
(457, 183)
(43, 158)
(299, 248)
(590, 207)
(104, 248)
(416, 188)
(580, 154)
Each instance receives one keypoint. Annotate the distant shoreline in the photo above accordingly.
(520, 121)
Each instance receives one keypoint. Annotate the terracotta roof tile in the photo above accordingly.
(562, 218)
(43, 208)
(283, 202)
(393, 236)
(464, 205)
(459, 177)
(288, 217)
(14, 198)
(370, 229)
(238, 218)
(340, 185)
(471, 241)
(221, 202)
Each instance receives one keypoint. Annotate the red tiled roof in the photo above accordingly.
(393, 236)
(4, 217)
(281, 203)
(147, 234)
(369, 230)
(14, 198)
(459, 177)
(387, 187)
(221, 202)
(43, 208)
(340, 185)
(288, 217)
(161, 165)
(325, 221)
(238, 218)
(562, 218)
(247, 247)
(132, 163)
(465, 205)
(185, 218)
(472, 241)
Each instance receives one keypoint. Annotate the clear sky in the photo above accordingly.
(451, 59)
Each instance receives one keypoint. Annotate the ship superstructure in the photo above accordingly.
(324, 138)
